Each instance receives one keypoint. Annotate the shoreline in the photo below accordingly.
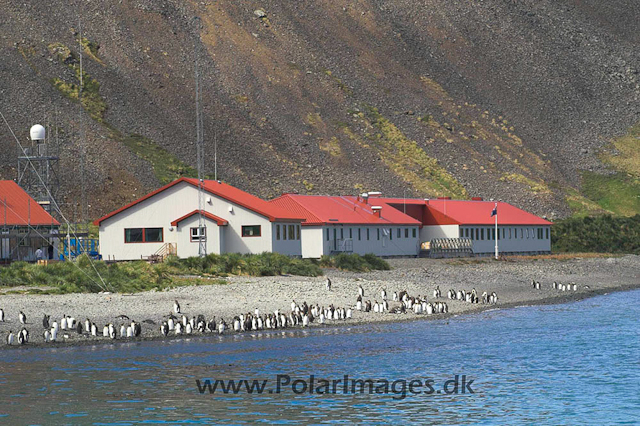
(243, 294)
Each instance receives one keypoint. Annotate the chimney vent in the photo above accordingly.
(377, 211)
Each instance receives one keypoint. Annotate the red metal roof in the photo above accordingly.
(18, 208)
(220, 221)
(479, 213)
(466, 212)
(341, 210)
(228, 192)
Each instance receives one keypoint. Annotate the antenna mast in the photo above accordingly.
(202, 241)
(83, 183)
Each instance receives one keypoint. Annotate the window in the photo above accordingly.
(292, 232)
(414, 232)
(298, 232)
(359, 234)
(277, 232)
(341, 233)
(351, 233)
(254, 231)
(477, 233)
(143, 235)
(406, 232)
(482, 233)
(539, 233)
(399, 232)
(547, 233)
(461, 232)
(504, 233)
(391, 234)
(367, 234)
(509, 233)
(198, 234)
(284, 232)
(133, 235)
(327, 234)
(378, 233)
(153, 235)
(521, 233)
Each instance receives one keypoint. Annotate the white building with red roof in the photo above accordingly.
(519, 232)
(335, 224)
(25, 226)
(166, 220)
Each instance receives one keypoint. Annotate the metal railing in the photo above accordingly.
(450, 247)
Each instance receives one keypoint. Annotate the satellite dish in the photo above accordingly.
(37, 132)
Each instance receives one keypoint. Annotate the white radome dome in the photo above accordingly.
(37, 132)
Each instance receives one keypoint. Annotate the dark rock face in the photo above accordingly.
(511, 98)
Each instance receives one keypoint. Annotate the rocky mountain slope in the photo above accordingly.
(512, 100)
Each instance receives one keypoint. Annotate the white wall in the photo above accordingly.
(290, 246)
(188, 248)
(429, 232)
(512, 243)
(161, 209)
(312, 242)
(315, 243)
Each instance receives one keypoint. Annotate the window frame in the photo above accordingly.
(198, 239)
(245, 227)
(144, 236)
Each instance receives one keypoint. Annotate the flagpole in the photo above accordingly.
(496, 210)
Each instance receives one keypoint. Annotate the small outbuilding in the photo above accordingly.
(27, 231)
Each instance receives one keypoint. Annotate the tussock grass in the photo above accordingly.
(601, 234)
(355, 262)
(130, 277)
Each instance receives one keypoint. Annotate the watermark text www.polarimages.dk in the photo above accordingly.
(312, 385)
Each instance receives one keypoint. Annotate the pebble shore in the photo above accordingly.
(511, 280)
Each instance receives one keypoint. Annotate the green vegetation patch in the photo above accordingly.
(581, 206)
(92, 101)
(618, 193)
(535, 186)
(355, 262)
(79, 276)
(604, 234)
(258, 265)
(91, 49)
(411, 162)
(627, 158)
(166, 166)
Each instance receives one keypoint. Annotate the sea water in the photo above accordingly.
(557, 364)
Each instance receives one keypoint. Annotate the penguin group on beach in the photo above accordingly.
(178, 323)
(471, 296)
(68, 325)
(565, 287)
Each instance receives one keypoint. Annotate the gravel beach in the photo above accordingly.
(510, 279)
